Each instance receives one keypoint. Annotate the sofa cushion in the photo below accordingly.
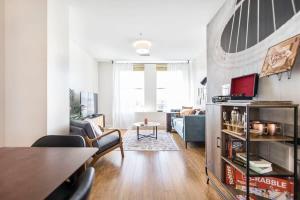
(187, 107)
(107, 142)
(186, 112)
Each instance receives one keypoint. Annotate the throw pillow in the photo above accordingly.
(186, 112)
(95, 127)
(187, 107)
(197, 112)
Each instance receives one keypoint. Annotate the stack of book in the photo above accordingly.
(257, 164)
(234, 146)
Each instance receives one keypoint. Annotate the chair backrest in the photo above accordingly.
(60, 141)
(88, 130)
(84, 185)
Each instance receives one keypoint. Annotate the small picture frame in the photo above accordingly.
(281, 57)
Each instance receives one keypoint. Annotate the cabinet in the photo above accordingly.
(213, 139)
(99, 119)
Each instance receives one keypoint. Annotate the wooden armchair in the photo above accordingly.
(103, 150)
(106, 142)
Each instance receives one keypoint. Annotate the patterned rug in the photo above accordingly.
(164, 142)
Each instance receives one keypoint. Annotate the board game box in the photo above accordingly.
(267, 187)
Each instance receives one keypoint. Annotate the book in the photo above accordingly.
(235, 146)
(255, 161)
(261, 170)
(240, 162)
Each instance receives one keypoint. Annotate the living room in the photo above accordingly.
(150, 100)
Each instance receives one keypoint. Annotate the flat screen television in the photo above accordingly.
(89, 104)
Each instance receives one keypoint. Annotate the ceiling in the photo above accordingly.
(107, 28)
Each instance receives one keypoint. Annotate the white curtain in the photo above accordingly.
(179, 87)
(123, 104)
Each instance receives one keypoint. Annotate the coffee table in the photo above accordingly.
(153, 125)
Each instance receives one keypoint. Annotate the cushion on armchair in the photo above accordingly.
(86, 126)
(108, 142)
(94, 126)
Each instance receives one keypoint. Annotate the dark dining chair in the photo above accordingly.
(84, 185)
(79, 191)
(79, 183)
(60, 141)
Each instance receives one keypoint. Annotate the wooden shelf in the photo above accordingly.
(260, 138)
(261, 104)
(218, 134)
(234, 134)
(236, 126)
(277, 170)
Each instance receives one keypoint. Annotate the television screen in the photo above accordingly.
(89, 103)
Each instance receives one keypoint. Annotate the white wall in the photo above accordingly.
(198, 73)
(83, 69)
(106, 91)
(25, 71)
(58, 67)
(1, 73)
(150, 87)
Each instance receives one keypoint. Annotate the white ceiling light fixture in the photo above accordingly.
(142, 46)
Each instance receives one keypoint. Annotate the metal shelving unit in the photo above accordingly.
(248, 138)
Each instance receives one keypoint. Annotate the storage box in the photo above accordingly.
(244, 87)
(268, 187)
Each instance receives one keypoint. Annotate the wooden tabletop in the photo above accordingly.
(33, 173)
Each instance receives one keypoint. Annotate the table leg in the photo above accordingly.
(156, 132)
(137, 132)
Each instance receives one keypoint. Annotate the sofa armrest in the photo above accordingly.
(194, 128)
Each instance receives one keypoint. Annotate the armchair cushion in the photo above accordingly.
(88, 130)
(95, 127)
(107, 142)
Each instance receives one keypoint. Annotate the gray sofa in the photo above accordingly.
(190, 128)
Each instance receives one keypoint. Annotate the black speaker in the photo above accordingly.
(204, 81)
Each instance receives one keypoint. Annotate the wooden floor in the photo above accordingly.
(153, 175)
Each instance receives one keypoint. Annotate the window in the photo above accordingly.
(132, 89)
(171, 88)
(164, 87)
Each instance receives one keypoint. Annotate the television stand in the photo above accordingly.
(98, 119)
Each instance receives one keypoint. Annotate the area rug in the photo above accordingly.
(164, 142)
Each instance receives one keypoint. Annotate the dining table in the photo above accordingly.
(35, 172)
